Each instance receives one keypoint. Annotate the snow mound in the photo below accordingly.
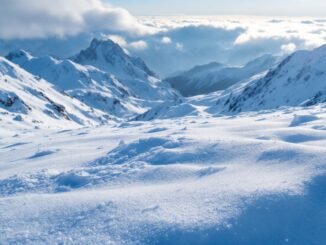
(299, 120)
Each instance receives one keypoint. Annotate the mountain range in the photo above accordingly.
(105, 84)
(97, 149)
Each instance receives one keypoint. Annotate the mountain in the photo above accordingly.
(94, 87)
(215, 76)
(134, 92)
(131, 72)
(34, 101)
(299, 80)
(110, 57)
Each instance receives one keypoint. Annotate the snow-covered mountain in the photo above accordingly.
(34, 101)
(215, 76)
(92, 86)
(132, 93)
(168, 169)
(109, 56)
(132, 72)
(299, 80)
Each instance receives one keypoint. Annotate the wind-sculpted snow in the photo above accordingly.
(202, 179)
(230, 167)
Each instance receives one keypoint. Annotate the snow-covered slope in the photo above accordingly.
(110, 80)
(215, 76)
(33, 101)
(298, 80)
(96, 88)
(257, 178)
(109, 56)
(132, 72)
(184, 177)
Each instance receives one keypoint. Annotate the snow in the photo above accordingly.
(114, 94)
(297, 81)
(24, 97)
(220, 168)
(215, 76)
(156, 182)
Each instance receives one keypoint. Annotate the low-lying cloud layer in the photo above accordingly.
(44, 18)
(167, 44)
(228, 39)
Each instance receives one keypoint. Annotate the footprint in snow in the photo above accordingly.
(15, 145)
(155, 130)
(209, 171)
(150, 209)
(299, 120)
(319, 127)
(43, 153)
(82, 133)
(300, 138)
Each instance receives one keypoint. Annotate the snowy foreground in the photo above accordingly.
(254, 178)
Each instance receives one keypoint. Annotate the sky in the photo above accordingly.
(224, 7)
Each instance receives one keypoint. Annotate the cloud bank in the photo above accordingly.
(167, 44)
(44, 18)
(234, 40)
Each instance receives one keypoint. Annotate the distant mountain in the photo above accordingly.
(134, 92)
(110, 57)
(215, 76)
(299, 80)
(34, 101)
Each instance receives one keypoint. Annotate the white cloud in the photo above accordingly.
(118, 40)
(233, 40)
(138, 45)
(179, 46)
(166, 40)
(43, 18)
(289, 48)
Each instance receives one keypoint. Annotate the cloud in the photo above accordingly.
(138, 45)
(234, 40)
(179, 46)
(179, 43)
(289, 48)
(44, 18)
(166, 40)
(118, 40)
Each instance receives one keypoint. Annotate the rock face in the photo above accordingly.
(215, 76)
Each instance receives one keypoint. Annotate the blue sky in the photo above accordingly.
(224, 7)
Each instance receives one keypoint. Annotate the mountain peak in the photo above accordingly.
(110, 57)
(19, 56)
(107, 48)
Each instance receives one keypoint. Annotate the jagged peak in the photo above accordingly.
(98, 47)
(95, 43)
(18, 54)
(110, 57)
